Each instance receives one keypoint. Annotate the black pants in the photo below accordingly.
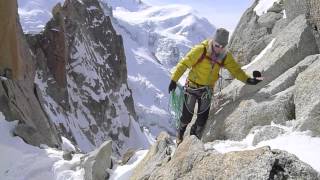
(204, 101)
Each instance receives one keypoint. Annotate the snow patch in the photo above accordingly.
(125, 171)
(67, 145)
(23, 161)
(264, 5)
(301, 144)
(262, 53)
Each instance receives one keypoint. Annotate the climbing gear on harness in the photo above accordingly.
(203, 93)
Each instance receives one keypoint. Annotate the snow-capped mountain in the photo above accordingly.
(155, 38)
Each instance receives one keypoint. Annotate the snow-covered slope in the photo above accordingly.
(155, 38)
(23, 161)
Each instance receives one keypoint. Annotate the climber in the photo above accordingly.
(204, 61)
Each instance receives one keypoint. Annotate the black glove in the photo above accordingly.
(253, 81)
(256, 74)
(172, 86)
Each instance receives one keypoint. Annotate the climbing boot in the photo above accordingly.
(179, 136)
(196, 130)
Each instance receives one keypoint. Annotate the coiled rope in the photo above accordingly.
(175, 105)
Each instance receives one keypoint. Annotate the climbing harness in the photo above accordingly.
(202, 93)
(182, 95)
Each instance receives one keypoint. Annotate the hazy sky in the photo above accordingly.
(221, 13)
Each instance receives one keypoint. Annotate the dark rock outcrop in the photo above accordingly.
(82, 77)
(10, 55)
(19, 100)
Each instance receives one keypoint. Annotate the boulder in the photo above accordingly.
(253, 33)
(97, 162)
(192, 161)
(126, 156)
(269, 19)
(22, 104)
(276, 7)
(158, 155)
(266, 133)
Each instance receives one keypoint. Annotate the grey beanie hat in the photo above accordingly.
(222, 36)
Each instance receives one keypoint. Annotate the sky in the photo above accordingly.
(221, 13)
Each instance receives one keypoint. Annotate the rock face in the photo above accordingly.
(82, 77)
(243, 106)
(314, 18)
(158, 155)
(10, 57)
(253, 33)
(295, 8)
(314, 13)
(306, 105)
(192, 161)
(19, 99)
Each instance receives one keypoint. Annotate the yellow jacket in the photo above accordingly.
(202, 73)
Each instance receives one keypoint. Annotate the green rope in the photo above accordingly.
(175, 105)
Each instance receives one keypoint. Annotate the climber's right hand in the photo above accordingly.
(172, 86)
(253, 81)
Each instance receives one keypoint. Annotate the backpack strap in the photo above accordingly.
(221, 64)
(203, 55)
